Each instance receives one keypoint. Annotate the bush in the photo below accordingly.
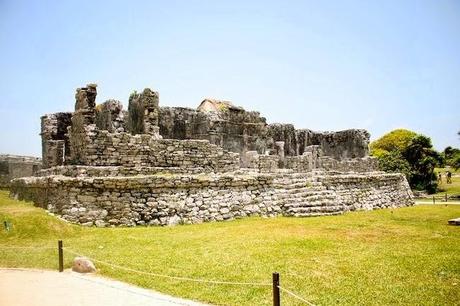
(409, 153)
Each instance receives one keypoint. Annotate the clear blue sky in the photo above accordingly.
(323, 65)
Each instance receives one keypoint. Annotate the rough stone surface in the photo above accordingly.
(159, 165)
(83, 265)
(15, 166)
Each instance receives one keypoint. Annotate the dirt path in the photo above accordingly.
(22, 287)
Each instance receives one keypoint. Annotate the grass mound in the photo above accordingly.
(405, 256)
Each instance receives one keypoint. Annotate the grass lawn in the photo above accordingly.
(408, 256)
(450, 189)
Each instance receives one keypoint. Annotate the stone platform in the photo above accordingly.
(169, 198)
(155, 165)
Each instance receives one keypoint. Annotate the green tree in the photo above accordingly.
(409, 153)
(455, 162)
(422, 159)
(396, 140)
(394, 161)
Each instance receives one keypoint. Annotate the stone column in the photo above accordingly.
(83, 123)
(143, 112)
(279, 148)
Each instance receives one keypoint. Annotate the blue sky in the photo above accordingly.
(323, 65)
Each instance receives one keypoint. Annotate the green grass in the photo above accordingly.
(450, 189)
(408, 256)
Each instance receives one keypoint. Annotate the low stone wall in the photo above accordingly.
(365, 164)
(368, 191)
(104, 171)
(153, 200)
(164, 199)
(14, 166)
(103, 148)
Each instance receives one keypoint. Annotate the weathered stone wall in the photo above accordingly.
(102, 148)
(364, 164)
(154, 200)
(369, 191)
(343, 144)
(110, 116)
(151, 165)
(233, 129)
(65, 135)
(338, 145)
(143, 112)
(55, 141)
(14, 166)
(179, 198)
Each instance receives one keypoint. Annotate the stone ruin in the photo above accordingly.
(14, 166)
(153, 165)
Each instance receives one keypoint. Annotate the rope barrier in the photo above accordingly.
(169, 276)
(296, 296)
(26, 248)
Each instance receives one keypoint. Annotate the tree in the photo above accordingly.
(451, 157)
(422, 159)
(394, 162)
(409, 153)
(455, 162)
(396, 140)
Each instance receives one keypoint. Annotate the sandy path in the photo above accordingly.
(23, 287)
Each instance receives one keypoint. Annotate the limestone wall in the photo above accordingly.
(369, 191)
(55, 141)
(101, 148)
(234, 129)
(154, 200)
(15, 166)
(163, 199)
(365, 164)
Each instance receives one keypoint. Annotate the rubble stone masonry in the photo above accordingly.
(155, 165)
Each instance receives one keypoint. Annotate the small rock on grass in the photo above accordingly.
(83, 265)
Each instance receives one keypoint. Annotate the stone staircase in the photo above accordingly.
(304, 197)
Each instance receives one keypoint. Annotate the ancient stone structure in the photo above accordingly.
(157, 165)
(14, 166)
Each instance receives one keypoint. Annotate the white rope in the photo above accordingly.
(25, 248)
(296, 296)
(169, 276)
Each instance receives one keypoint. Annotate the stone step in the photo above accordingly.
(306, 197)
(314, 209)
(309, 204)
(315, 214)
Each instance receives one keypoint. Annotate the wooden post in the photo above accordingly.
(276, 289)
(434, 201)
(446, 196)
(61, 256)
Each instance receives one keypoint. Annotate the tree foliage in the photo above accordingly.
(452, 157)
(423, 159)
(396, 140)
(411, 154)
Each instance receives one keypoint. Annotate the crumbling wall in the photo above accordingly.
(143, 112)
(233, 129)
(162, 200)
(365, 164)
(15, 166)
(82, 124)
(343, 144)
(285, 133)
(55, 141)
(338, 145)
(184, 198)
(122, 149)
(369, 191)
(110, 116)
